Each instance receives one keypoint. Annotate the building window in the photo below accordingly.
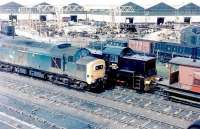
(56, 62)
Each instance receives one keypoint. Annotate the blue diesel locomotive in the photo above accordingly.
(62, 64)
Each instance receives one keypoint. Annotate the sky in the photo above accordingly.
(144, 3)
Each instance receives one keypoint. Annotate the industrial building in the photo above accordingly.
(128, 12)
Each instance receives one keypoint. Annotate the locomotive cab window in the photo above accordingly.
(56, 62)
(113, 58)
(98, 67)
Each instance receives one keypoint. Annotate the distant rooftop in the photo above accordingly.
(43, 3)
(185, 62)
(11, 5)
(136, 9)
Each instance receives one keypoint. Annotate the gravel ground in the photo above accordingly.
(86, 108)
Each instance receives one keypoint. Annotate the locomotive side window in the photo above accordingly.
(56, 62)
(99, 67)
(70, 59)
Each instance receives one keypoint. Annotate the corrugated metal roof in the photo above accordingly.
(74, 4)
(11, 5)
(189, 6)
(173, 4)
(189, 9)
(161, 6)
(43, 3)
(73, 8)
(135, 6)
(131, 9)
(185, 62)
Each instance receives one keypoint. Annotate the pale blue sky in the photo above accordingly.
(144, 3)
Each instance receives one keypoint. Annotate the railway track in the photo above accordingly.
(154, 102)
(30, 117)
(19, 113)
(124, 117)
(125, 96)
(12, 122)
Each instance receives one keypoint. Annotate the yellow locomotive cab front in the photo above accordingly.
(95, 70)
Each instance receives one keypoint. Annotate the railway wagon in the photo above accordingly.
(62, 64)
(184, 81)
(141, 46)
(165, 51)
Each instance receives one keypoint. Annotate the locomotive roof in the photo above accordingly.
(85, 60)
(95, 51)
(140, 57)
(185, 62)
(67, 51)
(31, 46)
(115, 50)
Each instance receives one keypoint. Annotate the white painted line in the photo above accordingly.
(6, 123)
